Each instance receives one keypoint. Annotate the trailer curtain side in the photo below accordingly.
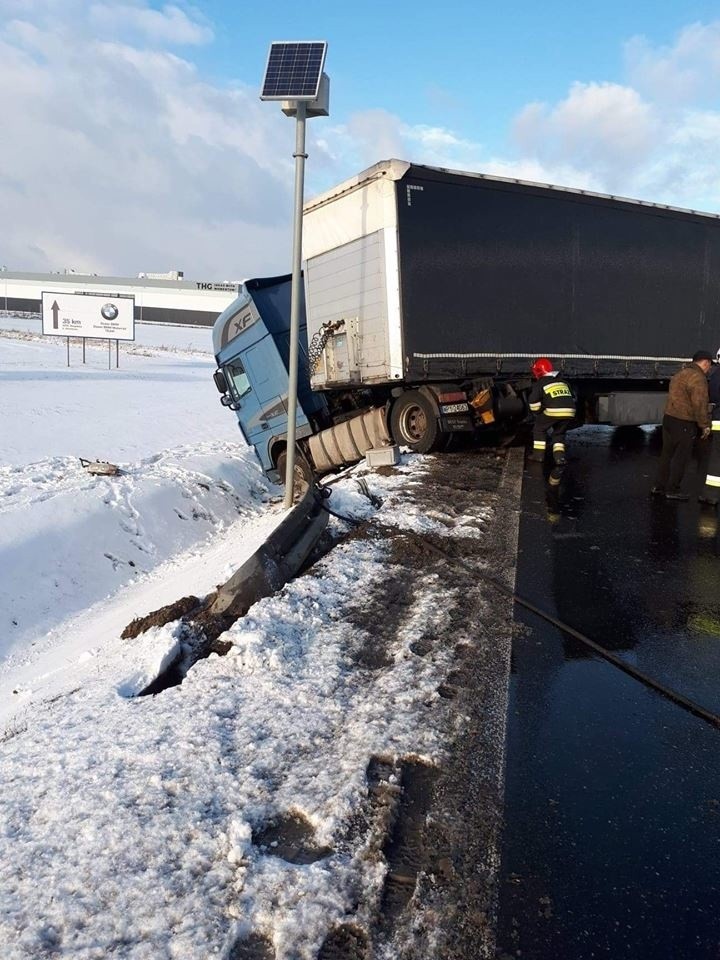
(494, 271)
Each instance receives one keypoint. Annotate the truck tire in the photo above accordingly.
(303, 475)
(414, 423)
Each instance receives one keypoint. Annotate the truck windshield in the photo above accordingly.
(239, 383)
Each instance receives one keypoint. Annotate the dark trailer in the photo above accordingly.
(491, 272)
(508, 270)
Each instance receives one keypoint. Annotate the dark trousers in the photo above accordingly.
(678, 439)
(555, 428)
(703, 451)
(709, 460)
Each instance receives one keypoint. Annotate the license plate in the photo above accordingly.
(454, 408)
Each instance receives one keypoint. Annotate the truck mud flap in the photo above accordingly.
(278, 560)
(456, 424)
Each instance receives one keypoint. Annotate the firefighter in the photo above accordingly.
(553, 403)
(711, 462)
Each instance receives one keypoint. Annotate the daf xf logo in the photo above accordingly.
(242, 322)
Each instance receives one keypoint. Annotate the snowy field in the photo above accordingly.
(129, 827)
(167, 336)
(69, 540)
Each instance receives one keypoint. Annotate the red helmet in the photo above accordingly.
(541, 367)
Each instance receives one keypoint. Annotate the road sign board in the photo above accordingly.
(103, 316)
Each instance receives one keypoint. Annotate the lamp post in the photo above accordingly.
(295, 290)
(294, 75)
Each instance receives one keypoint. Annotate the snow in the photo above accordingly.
(68, 539)
(126, 822)
(170, 337)
(155, 400)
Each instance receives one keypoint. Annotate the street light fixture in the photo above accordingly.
(294, 76)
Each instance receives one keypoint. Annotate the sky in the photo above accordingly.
(134, 138)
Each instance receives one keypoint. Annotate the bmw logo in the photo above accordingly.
(109, 311)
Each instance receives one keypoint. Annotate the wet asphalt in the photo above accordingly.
(611, 845)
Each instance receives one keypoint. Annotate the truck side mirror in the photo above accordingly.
(220, 381)
(227, 401)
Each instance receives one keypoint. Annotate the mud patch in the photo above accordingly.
(254, 947)
(441, 833)
(346, 942)
(159, 618)
(421, 648)
(372, 655)
(456, 683)
(211, 626)
(371, 824)
(381, 615)
(411, 550)
(405, 849)
(291, 837)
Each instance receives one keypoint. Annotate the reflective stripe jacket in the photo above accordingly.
(714, 393)
(553, 397)
(714, 384)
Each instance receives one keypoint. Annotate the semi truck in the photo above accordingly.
(428, 292)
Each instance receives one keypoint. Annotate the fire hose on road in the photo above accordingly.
(673, 695)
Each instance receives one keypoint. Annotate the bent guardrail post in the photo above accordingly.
(276, 561)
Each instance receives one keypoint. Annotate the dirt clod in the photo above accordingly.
(158, 618)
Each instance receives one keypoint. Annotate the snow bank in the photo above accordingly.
(69, 539)
(128, 825)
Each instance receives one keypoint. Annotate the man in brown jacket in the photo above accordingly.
(686, 417)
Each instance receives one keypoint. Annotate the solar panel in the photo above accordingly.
(294, 70)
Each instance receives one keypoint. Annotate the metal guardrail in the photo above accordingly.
(278, 560)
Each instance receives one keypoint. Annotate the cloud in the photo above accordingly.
(655, 137)
(171, 25)
(372, 135)
(118, 158)
(375, 135)
(687, 72)
(366, 137)
(604, 128)
(650, 136)
(684, 171)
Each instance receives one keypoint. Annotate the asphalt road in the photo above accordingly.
(611, 845)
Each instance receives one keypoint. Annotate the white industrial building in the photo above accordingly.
(156, 300)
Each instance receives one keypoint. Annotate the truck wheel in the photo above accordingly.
(413, 422)
(303, 475)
